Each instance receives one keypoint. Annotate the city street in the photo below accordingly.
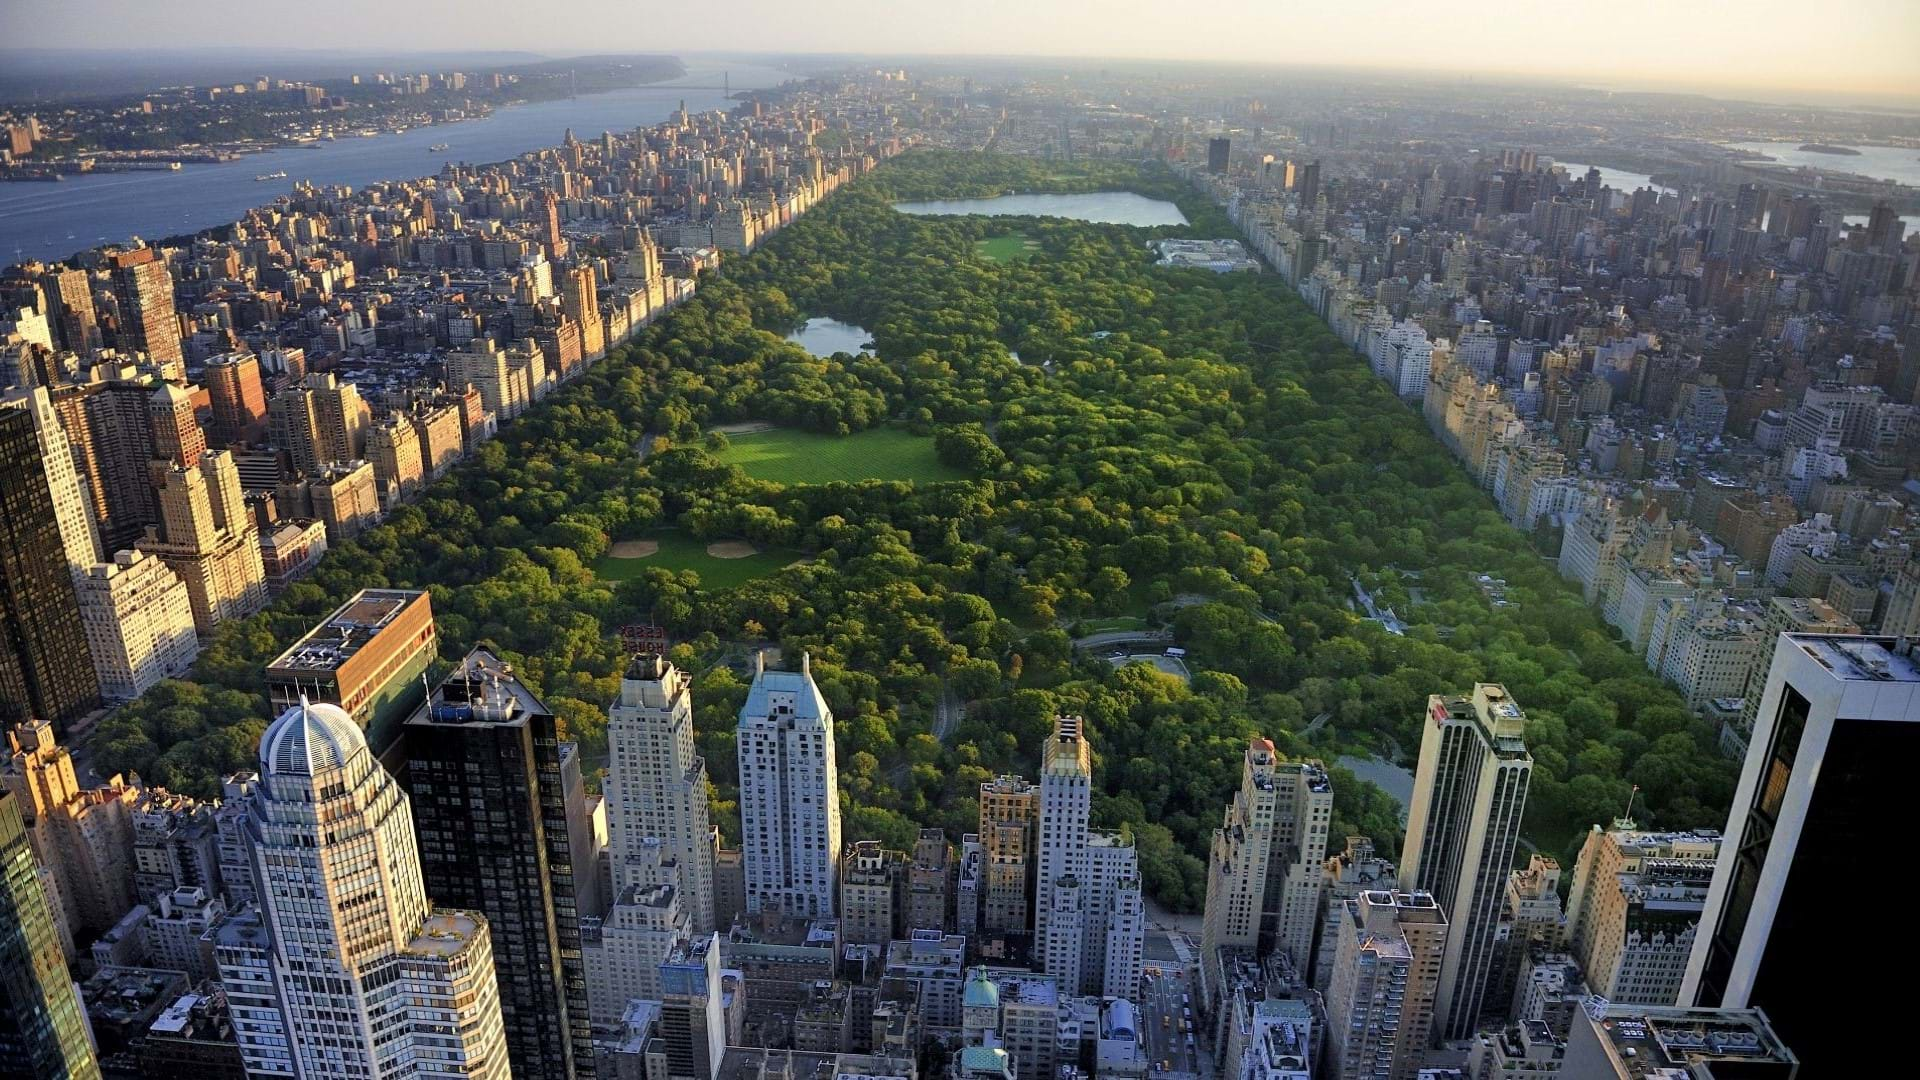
(1172, 1038)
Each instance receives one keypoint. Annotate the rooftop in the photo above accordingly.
(1651, 1040)
(1861, 659)
(445, 933)
(345, 632)
(482, 690)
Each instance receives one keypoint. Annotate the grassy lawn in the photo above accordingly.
(788, 456)
(679, 551)
(1006, 248)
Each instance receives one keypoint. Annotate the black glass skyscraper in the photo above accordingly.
(45, 669)
(489, 808)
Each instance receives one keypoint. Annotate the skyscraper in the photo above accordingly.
(1469, 793)
(789, 794)
(1267, 860)
(177, 438)
(1009, 814)
(483, 740)
(1218, 151)
(1089, 917)
(238, 396)
(1634, 911)
(43, 1033)
(45, 668)
(656, 786)
(79, 535)
(1237, 863)
(1825, 779)
(73, 314)
(209, 537)
(345, 969)
(1381, 1004)
(143, 289)
(582, 304)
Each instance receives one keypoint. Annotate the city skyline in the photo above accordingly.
(587, 600)
(1398, 36)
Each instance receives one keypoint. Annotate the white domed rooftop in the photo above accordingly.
(309, 739)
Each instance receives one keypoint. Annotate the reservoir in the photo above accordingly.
(1099, 207)
(824, 337)
(54, 220)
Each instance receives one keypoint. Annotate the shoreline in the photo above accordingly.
(174, 237)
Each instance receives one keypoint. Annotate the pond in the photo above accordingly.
(1391, 778)
(824, 337)
(1099, 207)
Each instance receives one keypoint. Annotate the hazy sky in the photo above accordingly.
(1845, 47)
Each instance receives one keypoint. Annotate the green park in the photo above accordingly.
(1201, 455)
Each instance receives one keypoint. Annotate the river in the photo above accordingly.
(54, 220)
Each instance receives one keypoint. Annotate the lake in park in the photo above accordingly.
(824, 337)
(1099, 207)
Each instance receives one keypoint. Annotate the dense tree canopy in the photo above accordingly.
(1190, 448)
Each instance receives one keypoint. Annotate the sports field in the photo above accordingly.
(1006, 248)
(671, 549)
(790, 456)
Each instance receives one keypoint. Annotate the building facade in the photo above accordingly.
(1470, 791)
(483, 740)
(789, 795)
(345, 969)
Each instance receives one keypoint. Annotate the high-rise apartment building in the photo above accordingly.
(1382, 1004)
(399, 471)
(1237, 863)
(143, 292)
(368, 658)
(644, 924)
(346, 969)
(1218, 152)
(75, 321)
(138, 618)
(109, 426)
(656, 787)
(238, 398)
(1346, 875)
(1009, 817)
(45, 668)
(580, 300)
(43, 1032)
(82, 837)
(930, 883)
(1825, 779)
(483, 740)
(1469, 793)
(72, 511)
(789, 794)
(1634, 910)
(209, 537)
(1089, 923)
(346, 496)
(1267, 861)
(178, 439)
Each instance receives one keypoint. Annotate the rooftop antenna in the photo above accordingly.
(1628, 816)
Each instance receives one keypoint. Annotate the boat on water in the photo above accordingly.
(437, 148)
(280, 175)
